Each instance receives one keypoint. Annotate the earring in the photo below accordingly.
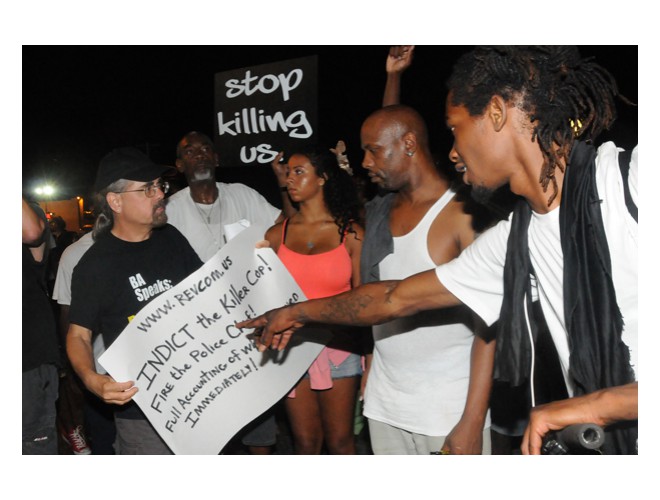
(410, 153)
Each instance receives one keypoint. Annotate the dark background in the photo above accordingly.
(79, 102)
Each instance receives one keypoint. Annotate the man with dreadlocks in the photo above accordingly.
(571, 242)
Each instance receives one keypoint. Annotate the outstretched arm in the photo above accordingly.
(602, 408)
(398, 60)
(369, 304)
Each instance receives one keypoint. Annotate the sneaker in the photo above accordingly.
(76, 439)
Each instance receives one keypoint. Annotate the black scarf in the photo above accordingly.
(598, 357)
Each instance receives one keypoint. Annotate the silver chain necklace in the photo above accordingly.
(206, 219)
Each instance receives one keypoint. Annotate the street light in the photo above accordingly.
(45, 190)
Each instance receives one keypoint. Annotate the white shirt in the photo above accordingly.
(420, 371)
(476, 276)
(203, 225)
(69, 259)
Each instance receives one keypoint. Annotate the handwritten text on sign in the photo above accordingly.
(200, 378)
(265, 109)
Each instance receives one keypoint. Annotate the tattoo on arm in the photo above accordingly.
(389, 290)
(359, 309)
(345, 310)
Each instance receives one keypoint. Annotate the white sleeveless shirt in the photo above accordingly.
(421, 364)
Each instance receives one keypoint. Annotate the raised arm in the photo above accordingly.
(279, 169)
(398, 60)
(369, 304)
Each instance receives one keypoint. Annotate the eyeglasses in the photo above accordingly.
(150, 189)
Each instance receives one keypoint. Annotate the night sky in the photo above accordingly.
(79, 102)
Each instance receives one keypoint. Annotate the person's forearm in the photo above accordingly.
(398, 60)
(376, 303)
(288, 210)
(362, 306)
(279, 169)
(603, 408)
(80, 353)
(365, 305)
(614, 404)
(481, 381)
(392, 94)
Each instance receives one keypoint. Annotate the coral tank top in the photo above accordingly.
(320, 275)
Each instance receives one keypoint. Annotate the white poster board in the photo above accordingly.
(200, 378)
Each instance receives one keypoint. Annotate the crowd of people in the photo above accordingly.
(437, 315)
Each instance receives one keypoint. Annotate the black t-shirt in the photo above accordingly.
(40, 343)
(115, 279)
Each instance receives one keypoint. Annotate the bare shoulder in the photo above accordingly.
(355, 236)
(451, 231)
(356, 230)
(457, 216)
(274, 235)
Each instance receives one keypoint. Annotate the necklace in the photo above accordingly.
(206, 219)
(310, 240)
(202, 214)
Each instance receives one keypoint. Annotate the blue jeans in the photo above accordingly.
(40, 391)
(350, 367)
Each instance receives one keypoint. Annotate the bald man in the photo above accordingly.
(429, 379)
(583, 255)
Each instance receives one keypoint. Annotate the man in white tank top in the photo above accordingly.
(527, 117)
(423, 393)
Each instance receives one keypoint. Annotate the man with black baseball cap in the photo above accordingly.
(136, 255)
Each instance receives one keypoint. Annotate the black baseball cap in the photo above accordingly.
(127, 163)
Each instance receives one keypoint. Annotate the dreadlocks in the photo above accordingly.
(564, 96)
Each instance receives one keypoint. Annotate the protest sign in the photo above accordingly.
(264, 109)
(200, 378)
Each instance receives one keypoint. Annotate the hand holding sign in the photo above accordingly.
(200, 378)
(110, 391)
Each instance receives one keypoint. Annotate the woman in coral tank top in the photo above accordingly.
(320, 246)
